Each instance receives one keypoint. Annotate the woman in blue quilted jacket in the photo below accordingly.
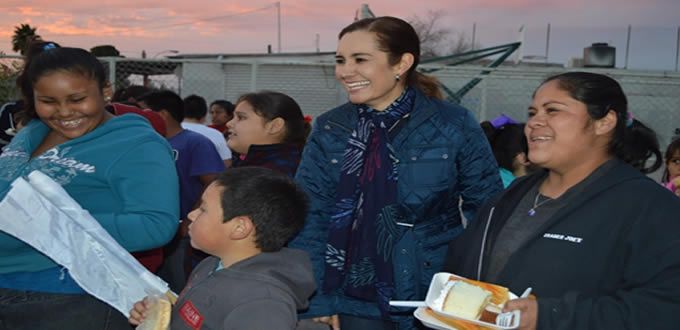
(387, 174)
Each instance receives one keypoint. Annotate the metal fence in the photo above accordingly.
(654, 96)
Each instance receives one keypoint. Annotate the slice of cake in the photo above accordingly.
(499, 294)
(466, 300)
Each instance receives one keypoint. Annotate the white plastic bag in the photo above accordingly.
(44, 216)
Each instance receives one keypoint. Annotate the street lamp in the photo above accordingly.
(172, 51)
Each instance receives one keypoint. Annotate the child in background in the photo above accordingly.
(221, 112)
(197, 163)
(268, 130)
(671, 175)
(509, 146)
(252, 281)
(195, 110)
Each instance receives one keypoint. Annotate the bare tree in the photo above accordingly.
(436, 40)
(461, 43)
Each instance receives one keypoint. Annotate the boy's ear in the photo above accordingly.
(242, 228)
(276, 126)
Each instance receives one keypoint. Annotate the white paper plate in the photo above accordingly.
(438, 283)
(433, 323)
(430, 321)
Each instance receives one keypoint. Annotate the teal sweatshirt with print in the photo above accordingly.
(122, 172)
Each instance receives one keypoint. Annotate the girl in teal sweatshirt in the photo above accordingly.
(117, 168)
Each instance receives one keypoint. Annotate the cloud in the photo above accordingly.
(237, 26)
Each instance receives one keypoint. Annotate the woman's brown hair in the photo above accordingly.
(397, 37)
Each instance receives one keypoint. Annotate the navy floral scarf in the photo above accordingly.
(362, 231)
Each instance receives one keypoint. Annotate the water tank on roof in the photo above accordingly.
(599, 55)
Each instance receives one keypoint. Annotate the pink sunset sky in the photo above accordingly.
(206, 26)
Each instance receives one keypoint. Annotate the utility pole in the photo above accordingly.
(318, 42)
(677, 50)
(474, 34)
(627, 47)
(278, 15)
(547, 44)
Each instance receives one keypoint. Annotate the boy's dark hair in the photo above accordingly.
(129, 94)
(165, 100)
(195, 107)
(276, 206)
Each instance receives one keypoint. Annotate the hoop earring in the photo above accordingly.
(397, 77)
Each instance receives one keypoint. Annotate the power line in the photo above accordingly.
(214, 18)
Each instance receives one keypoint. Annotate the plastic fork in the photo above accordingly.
(407, 303)
(526, 293)
(507, 319)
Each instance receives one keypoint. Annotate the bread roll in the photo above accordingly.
(158, 316)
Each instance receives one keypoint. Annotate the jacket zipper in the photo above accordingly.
(406, 116)
(481, 250)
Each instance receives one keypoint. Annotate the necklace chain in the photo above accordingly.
(532, 211)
